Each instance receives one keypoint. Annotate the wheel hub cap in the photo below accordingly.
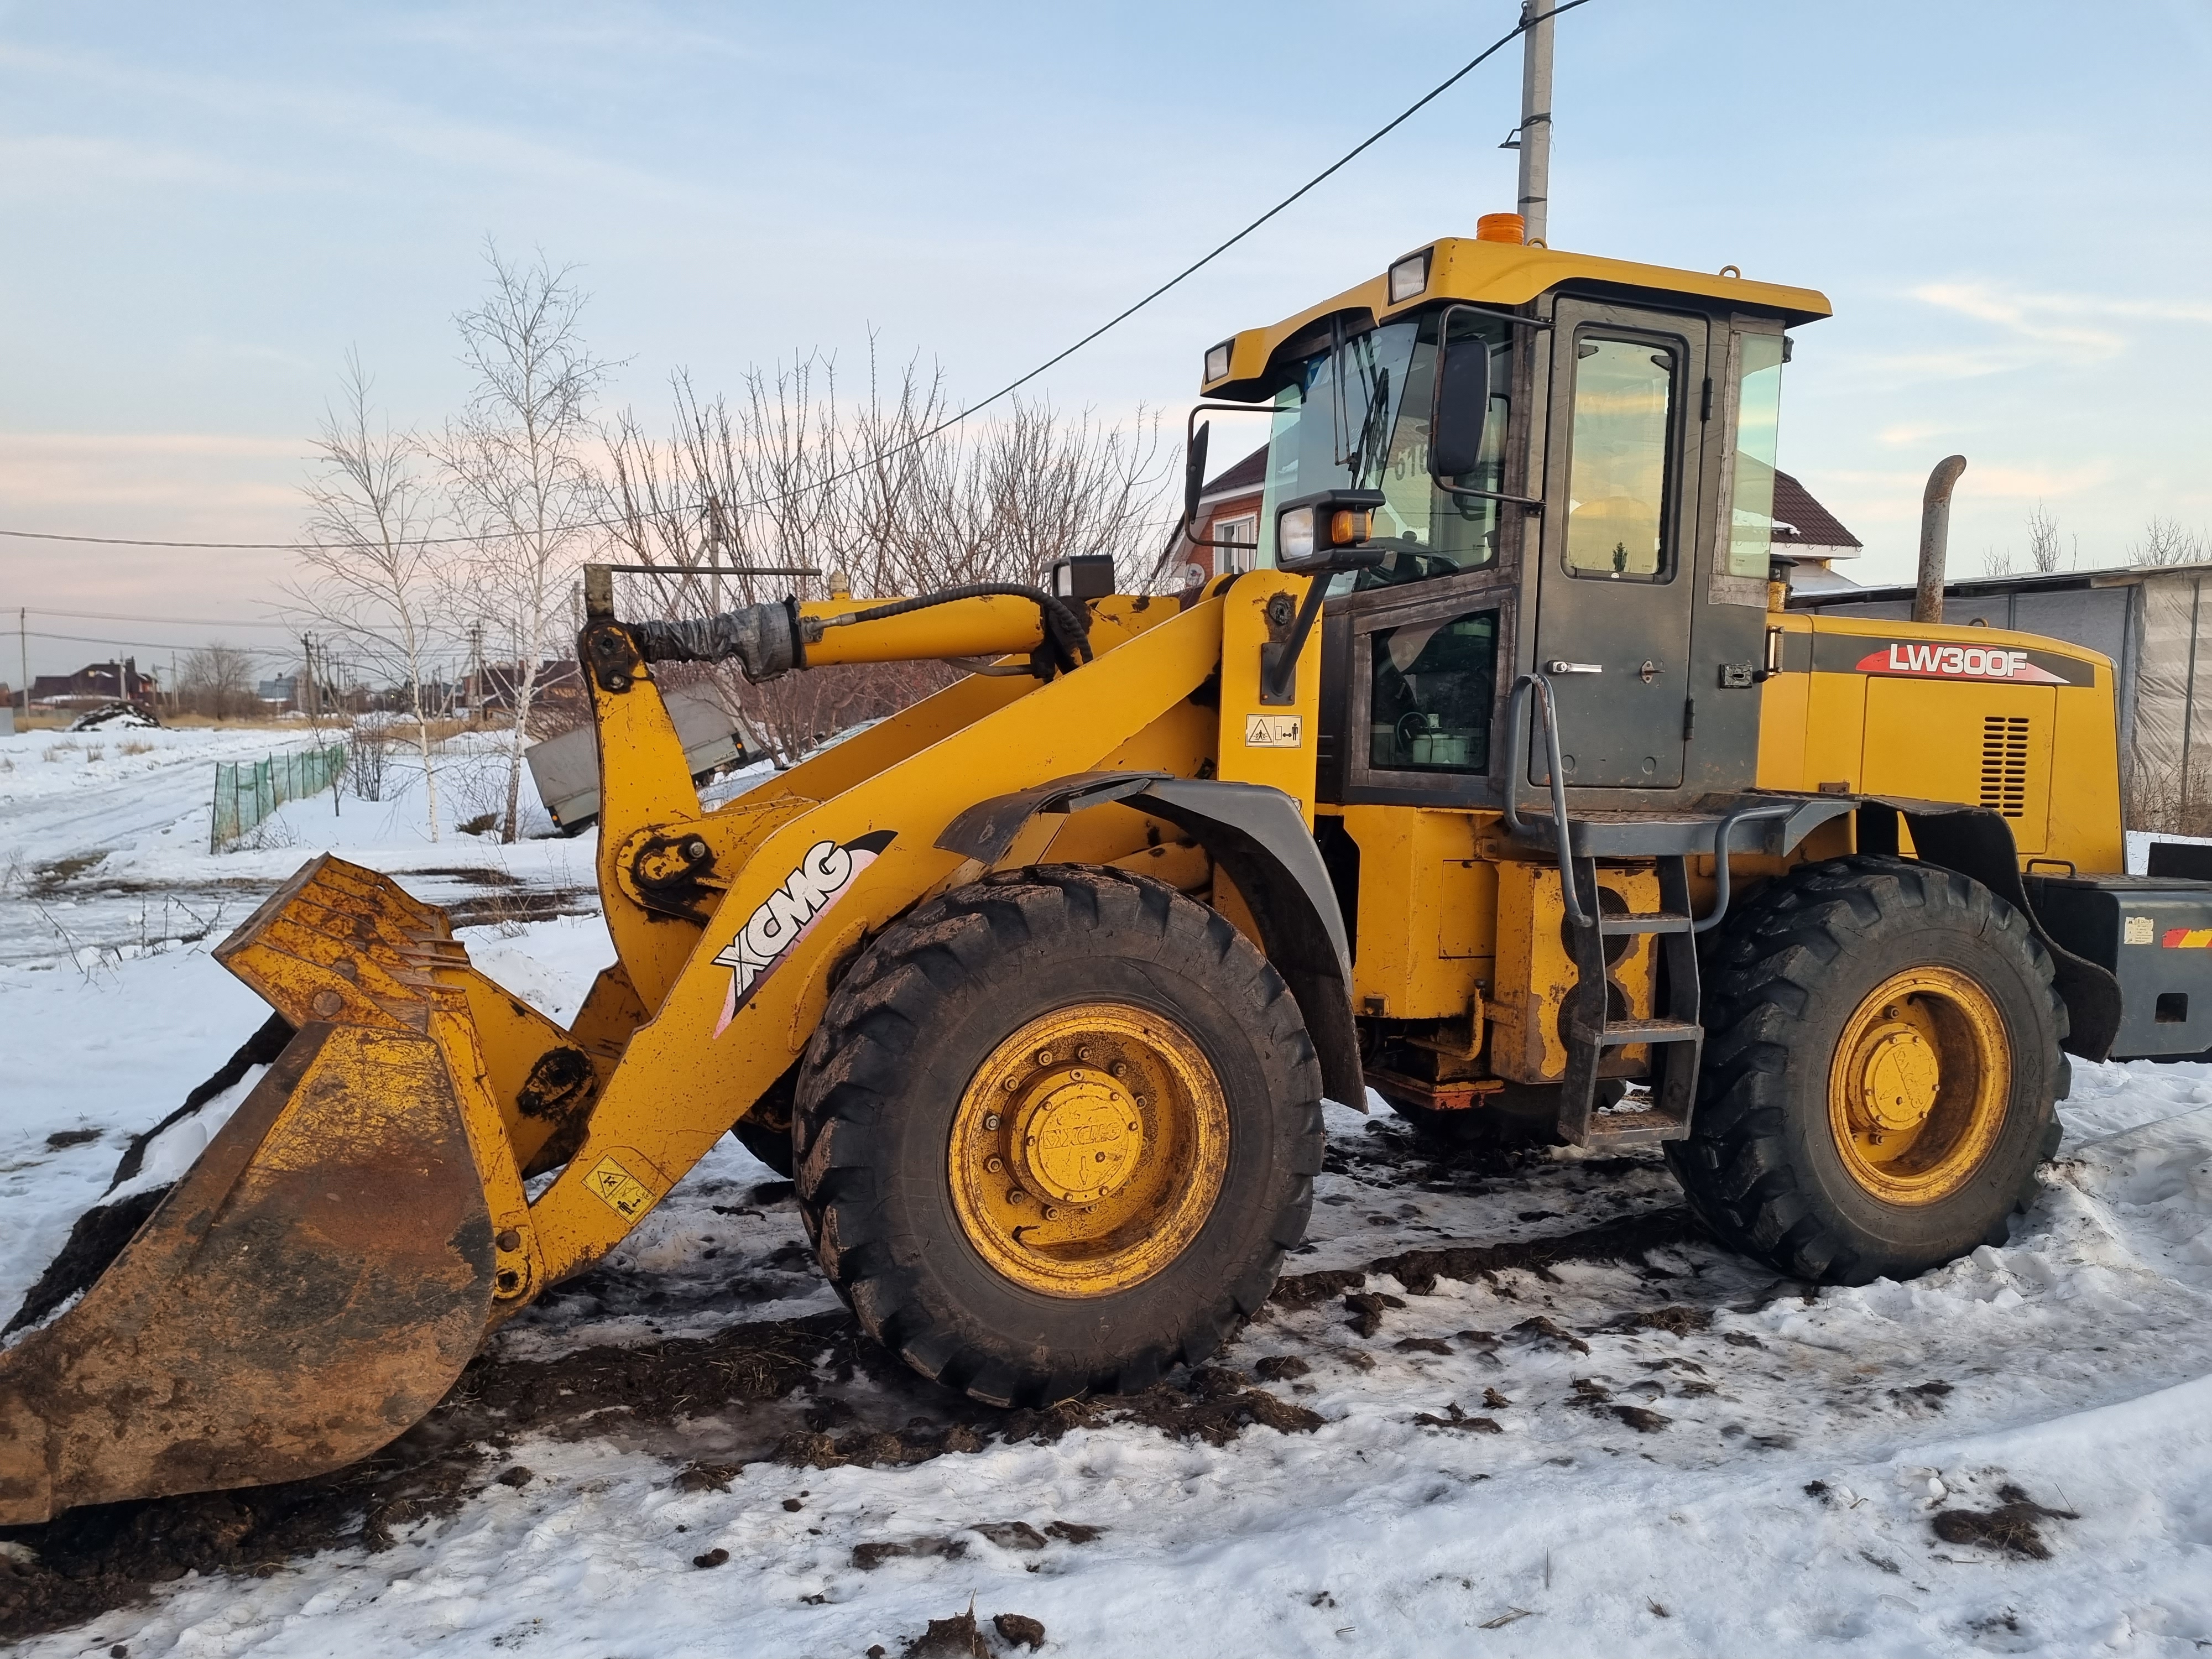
(1899, 1081)
(1088, 1150)
(1919, 1085)
(1084, 1136)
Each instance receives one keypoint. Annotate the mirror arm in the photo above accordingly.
(1275, 680)
(1533, 503)
(1181, 533)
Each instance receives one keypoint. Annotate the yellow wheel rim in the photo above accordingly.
(1089, 1149)
(1919, 1085)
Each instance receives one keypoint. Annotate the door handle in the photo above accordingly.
(1560, 666)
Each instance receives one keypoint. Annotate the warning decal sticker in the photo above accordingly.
(621, 1191)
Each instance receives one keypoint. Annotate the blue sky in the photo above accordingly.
(204, 207)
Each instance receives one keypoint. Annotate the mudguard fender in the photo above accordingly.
(1258, 836)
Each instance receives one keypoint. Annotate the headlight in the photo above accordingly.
(1409, 278)
(1294, 534)
(1217, 362)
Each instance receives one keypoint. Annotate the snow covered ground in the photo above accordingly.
(1548, 1418)
(103, 839)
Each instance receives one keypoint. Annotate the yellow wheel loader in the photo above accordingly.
(1506, 787)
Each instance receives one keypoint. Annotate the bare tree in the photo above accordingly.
(788, 475)
(1995, 563)
(2044, 552)
(375, 577)
(517, 462)
(217, 680)
(2164, 541)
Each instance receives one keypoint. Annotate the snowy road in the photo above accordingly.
(1506, 1404)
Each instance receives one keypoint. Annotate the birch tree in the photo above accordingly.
(518, 465)
(374, 575)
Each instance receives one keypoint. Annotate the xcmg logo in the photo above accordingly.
(1956, 662)
(788, 914)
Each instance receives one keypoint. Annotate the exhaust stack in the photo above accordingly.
(1934, 536)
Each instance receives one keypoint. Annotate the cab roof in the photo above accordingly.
(1501, 274)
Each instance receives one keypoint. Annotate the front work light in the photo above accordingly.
(1217, 362)
(1328, 531)
(1409, 278)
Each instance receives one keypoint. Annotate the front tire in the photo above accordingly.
(1055, 1132)
(1879, 1073)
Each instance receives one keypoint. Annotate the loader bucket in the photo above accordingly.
(317, 1279)
(312, 1286)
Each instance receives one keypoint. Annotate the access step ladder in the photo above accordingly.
(1587, 1027)
(1591, 1031)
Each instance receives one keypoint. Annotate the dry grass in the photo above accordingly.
(134, 749)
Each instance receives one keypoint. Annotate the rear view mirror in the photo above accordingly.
(1193, 474)
(1461, 408)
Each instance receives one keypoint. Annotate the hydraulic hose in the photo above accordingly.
(768, 640)
(1066, 645)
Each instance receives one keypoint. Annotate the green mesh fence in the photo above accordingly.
(247, 791)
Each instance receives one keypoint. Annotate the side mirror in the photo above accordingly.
(1193, 474)
(1328, 531)
(1462, 408)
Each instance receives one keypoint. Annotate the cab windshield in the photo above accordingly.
(1356, 417)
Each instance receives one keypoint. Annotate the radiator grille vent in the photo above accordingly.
(2004, 764)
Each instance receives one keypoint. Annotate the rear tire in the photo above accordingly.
(1880, 1072)
(927, 1040)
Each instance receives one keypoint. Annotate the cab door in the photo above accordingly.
(1614, 594)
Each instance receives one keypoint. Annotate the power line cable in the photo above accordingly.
(143, 645)
(180, 622)
(949, 422)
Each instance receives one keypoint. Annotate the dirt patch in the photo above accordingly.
(1628, 1238)
(948, 1638)
(2010, 1527)
(1017, 1630)
(1456, 1419)
(62, 1139)
(1674, 1321)
(745, 1380)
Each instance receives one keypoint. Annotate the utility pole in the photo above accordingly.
(475, 672)
(1535, 116)
(23, 645)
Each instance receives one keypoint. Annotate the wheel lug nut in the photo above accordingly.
(1050, 1213)
(1084, 1054)
(1119, 1068)
(990, 1120)
(1044, 1056)
(995, 1166)
(1016, 1195)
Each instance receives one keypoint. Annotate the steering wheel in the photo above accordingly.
(1411, 725)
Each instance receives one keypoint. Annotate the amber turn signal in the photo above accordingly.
(1346, 527)
(1501, 227)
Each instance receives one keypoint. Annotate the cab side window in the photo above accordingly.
(1616, 519)
(1433, 686)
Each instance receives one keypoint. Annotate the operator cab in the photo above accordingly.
(1523, 459)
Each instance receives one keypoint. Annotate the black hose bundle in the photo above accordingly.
(762, 638)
